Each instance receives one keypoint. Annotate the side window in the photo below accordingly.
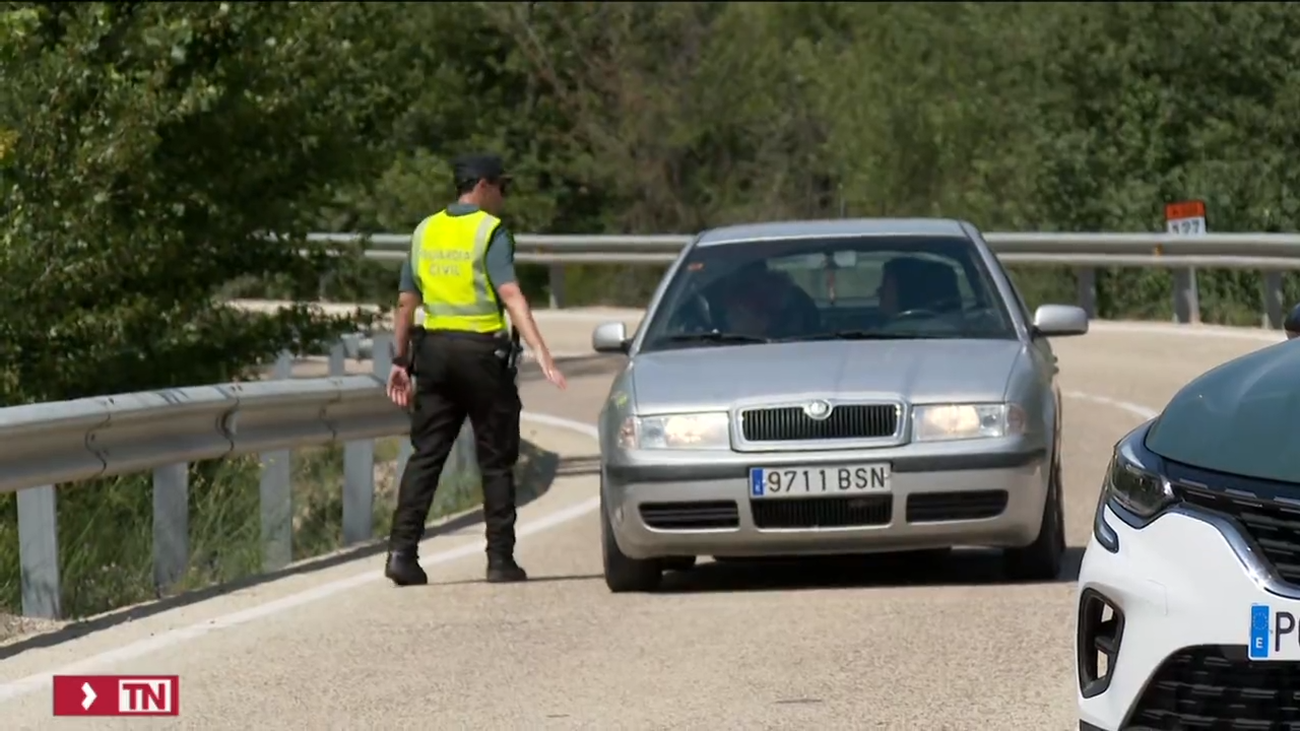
(1015, 293)
(1020, 301)
(997, 264)
(964, 288)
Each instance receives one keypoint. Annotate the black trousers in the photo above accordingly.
(460, 375)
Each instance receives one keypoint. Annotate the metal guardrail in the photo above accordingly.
(163, 431)
(1085, 252)
(49, 444)
(1215, 244)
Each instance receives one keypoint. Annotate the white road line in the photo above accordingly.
(1135, 409)
(562, 423)
(1194, 331)
(40, 681)
(171, 638)
(561, 356)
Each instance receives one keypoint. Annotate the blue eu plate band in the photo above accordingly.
(1259, 631)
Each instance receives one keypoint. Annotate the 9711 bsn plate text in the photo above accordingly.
(779, 482)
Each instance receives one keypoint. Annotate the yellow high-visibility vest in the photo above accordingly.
(447, 259)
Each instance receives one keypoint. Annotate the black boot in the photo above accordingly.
(504, 571)
(404, 569)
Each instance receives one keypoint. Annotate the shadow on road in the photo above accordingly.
(963, 567)
(531, 580)
(578, 466)
(537, 472)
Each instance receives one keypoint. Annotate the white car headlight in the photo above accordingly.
(943, 422)
(676, 431)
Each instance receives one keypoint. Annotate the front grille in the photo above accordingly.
(1274, 525)
(701, 515)
(847, 421)
(822, 512)
(933, 507)
(1216, 689)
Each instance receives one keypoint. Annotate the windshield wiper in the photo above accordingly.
(867, 335)
(714, 337)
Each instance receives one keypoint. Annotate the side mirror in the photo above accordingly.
(1292, 323)
(610, 337)
(1060, 321)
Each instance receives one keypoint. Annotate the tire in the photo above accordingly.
(1042, 559)
(678, 563)
(623, 574)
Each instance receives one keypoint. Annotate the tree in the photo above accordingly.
(153, 146)
(1152, 103)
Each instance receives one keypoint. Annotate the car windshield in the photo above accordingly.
(860, 288)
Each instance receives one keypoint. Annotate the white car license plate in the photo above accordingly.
(830, 481)
(1274, 633)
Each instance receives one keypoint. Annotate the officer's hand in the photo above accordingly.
(399, 386)
(552, 373)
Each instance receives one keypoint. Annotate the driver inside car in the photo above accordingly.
(753, 301)
(910, 285)
(749, 304)
(759, 302)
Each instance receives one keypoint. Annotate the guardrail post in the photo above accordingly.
(171, 524)
(38, 552)
(359, 457)
(1086, 286)
(276, 494)
(556, 295)
(1274, 307)
(1187, 303)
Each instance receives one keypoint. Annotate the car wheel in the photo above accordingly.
(624, 574)
(678, 563)
(1041, 560)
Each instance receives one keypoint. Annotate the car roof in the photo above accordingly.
(832, 227)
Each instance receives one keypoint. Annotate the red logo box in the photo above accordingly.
(117, 695)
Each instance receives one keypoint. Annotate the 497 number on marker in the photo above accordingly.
(779, 482)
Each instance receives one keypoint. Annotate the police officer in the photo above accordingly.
(461, 273)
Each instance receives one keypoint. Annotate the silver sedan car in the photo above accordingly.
(833, 387)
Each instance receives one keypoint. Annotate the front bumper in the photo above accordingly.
(705, 509)
(1184, 596)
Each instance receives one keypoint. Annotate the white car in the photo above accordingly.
(1189, 593)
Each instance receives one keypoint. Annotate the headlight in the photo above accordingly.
(1137, 487)
(942, 422)
(676, 431)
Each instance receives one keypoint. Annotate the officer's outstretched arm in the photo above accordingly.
(521, 315)
(500, 265)
(408, 301)
(404, 322)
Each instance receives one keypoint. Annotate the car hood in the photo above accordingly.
(1241, 417)
(916, 370)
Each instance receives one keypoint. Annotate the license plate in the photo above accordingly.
(779, 482)
(1274, 633)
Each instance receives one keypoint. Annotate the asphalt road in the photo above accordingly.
(866, 644)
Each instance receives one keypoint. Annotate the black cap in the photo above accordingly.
(480, 166)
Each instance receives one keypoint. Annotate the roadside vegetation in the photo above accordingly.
(106, 534)
(145, 148)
